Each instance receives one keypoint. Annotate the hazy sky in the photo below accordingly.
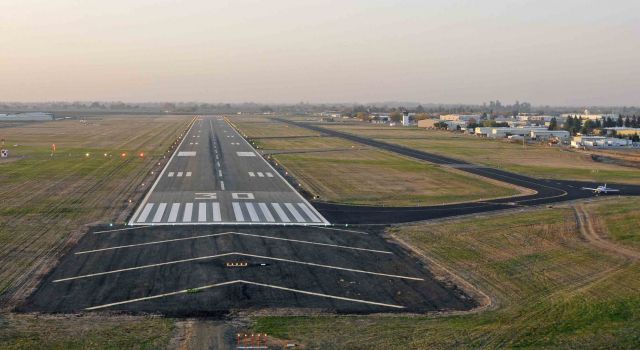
(578, 52)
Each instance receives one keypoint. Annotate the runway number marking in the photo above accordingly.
(206, 195)
(242, 195)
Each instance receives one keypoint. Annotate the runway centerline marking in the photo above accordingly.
(272, 286)
(142, 267)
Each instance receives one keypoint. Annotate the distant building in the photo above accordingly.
(31, 116)
(405, 119)
(588, 116)
(428, 123)
(622, 131)
(498, 133)
(460, 117)
(547, 134)
(599, 142)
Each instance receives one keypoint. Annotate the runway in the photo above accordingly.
(216, 177)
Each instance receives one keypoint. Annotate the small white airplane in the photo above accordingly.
(601, 189)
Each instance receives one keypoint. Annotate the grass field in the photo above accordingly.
(621, 218)
(550, 289)
(380, 178)
(342, 171)
(534, 160)
(84, 332)
(46, 201)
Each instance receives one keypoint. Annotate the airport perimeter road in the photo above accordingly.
(216, 177)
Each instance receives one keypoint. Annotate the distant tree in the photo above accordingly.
(627, 122)
(421, 116)
(441, 125)
(553, 124)
(363, 116)
(620, 121)
(396, 116)
(635, 138)
(419, 109)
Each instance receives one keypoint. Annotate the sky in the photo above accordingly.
(569, 52)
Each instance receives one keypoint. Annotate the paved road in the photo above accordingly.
(216, 177)
(547, 191)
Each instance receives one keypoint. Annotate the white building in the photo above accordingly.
(547, 134)
(405, 120)
(498, 133)
(30, 116)
(599, 142)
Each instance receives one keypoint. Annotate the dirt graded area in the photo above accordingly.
(48, 200)
(534, 160)
(548, 287)
(340, 171)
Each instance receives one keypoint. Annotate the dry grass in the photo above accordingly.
(379, 178)
(338, 170)
(551, 288)
(258, 127)
(534, 160)
(46, 201)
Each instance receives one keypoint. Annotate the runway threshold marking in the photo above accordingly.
(272, 286)
(241, 254)
(145, 212)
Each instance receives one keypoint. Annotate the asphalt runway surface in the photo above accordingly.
(547, 191)
(217, 177)
(203, 270)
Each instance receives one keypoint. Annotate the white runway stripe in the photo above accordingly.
(159, 212)
(260, 174)
(266, 212)
(173, 214)
(309, 212)
(295, 213)
(269, 174)
(179, 174)
(188, 173)
(237, 211)
(215, 206)
(202, 212)
(145, 212)
(188, 209)
(252, 212)
(252, 174)
(280, 212)
(222, 185)
(170, 174)
(220, 173)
